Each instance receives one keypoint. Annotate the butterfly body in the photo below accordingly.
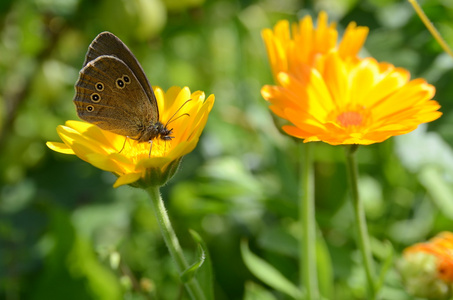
(113, 92)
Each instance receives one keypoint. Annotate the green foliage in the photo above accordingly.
(65, 233)
(268, 274)
(72, 263)
(203, 267)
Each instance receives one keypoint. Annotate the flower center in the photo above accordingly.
(350, 118)
(136, 150)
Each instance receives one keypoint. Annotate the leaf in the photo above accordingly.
(440, 191)
(254, 291)
(202, 268)
(190, 272)
(324, 266)
(71, 269)
(267, 273)
(388, 262)
(421, 148)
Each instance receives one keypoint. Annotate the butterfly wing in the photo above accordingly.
(107, 43)
(109, 95)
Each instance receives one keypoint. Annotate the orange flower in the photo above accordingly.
(441, 247)
(328, 94)
(292, 53)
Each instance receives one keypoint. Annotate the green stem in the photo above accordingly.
(360, 220)
(307, 259)
(430, 27)
(192, 286)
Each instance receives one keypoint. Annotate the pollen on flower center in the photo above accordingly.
(350, 118)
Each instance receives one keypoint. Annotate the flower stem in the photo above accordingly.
(430, 27)
(307, 259)
(192, 286)
(360, 220)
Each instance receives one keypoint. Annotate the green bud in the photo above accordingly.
(158, 176)
(420, 276)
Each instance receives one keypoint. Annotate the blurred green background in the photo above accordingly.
(63, 228)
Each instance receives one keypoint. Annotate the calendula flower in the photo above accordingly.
(141, 164)
(293, 51)
(427, 268)
(440, 246)
(329, 94)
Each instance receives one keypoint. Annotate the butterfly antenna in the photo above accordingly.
(172, 117)
(186, 114)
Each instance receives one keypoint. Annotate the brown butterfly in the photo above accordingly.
(114, 93)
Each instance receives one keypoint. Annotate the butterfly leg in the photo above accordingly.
(150, 148)
(124, 144)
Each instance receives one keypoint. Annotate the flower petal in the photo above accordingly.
(104, 163)
(353, 39)
(60, 147)
(153, 162)
(127, 179)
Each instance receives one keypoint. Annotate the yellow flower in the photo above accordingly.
(131, 161)
(333, 96)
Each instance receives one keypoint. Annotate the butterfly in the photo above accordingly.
(113, 92)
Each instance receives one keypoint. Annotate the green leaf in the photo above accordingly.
(388, 263)
(432, 178)
(72, 269)
(267, 273)
(324, 266)
(190, 272)
(202, 268)
(254, 291)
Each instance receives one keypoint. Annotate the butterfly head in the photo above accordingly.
(156, 130)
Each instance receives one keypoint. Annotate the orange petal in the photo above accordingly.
(353, 39)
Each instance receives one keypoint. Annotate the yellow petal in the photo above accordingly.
(336, 77)
(363, 79)
(78, 125)
(404, 99)
(184, 148)
(160, 98)
(127, 179)
(60, 147)
(320, 100)
(178, 95)
(71, 136)
(429, 116)
(109, 141)
(391, 82)
(153, 162)
(102, 162)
